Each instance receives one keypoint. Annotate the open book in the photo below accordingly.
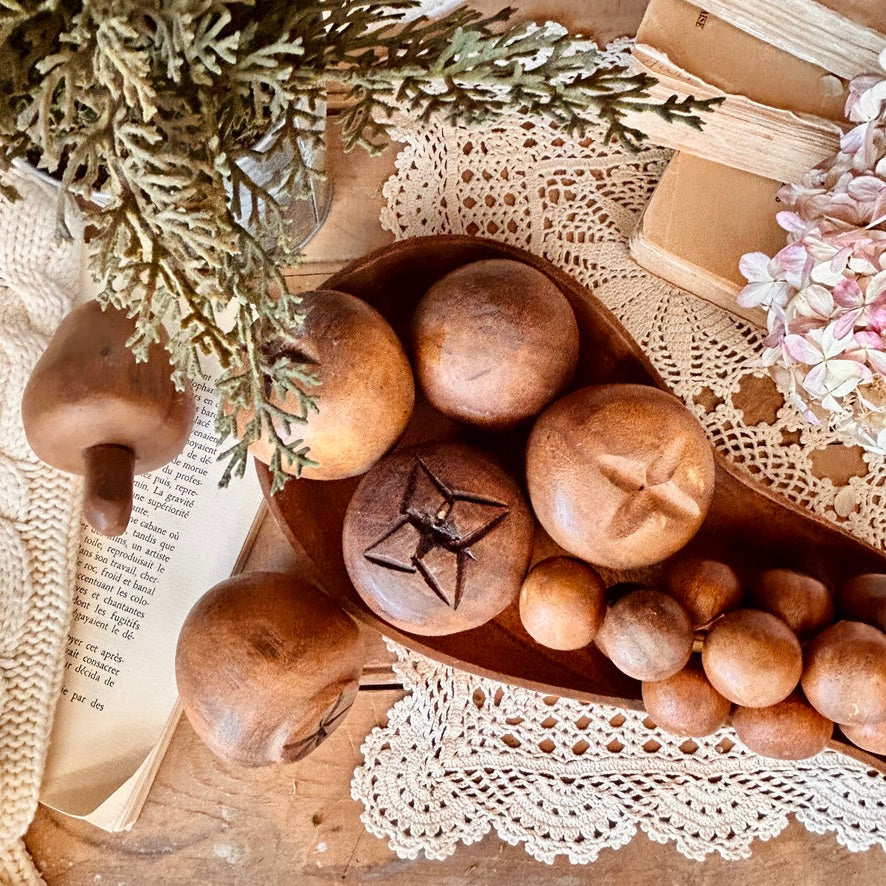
(782, 70)
(118, 706)
(701, 219)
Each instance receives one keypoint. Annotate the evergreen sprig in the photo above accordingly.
(158, 105)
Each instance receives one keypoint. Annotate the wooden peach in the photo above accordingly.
(494, 342)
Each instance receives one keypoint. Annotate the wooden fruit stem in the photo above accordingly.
(107, 497)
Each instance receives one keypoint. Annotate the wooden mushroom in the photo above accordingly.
(89, 408)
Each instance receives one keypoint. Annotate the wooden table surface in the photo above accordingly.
(208, 823)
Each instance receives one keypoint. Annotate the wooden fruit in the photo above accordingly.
(845, 673)
(267, 666)
(863, 598)
(686, 703)
(789, 730)
(562, 603)
(647, 635)
(89, 408)
(752, 658)
(707, 588)
(437, 538)
(494, 342)
(868, 736)
(619, 475)
(802, 602)
(366, 390)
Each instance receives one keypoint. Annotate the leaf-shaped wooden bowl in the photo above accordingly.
(747, 526)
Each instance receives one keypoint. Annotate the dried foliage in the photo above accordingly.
(152, 103)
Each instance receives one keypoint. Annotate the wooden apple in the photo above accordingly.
(267, 667)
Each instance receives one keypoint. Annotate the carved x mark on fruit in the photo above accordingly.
(328, 723)
(433, 532)
(649, 487)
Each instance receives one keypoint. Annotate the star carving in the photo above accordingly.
(650, 487)
(328, 723)
(433, 532)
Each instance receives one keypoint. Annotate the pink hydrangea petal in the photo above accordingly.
(754, 266)
(868, 339)
(847, 293)
(802, 349)
(877, 361)
(846, 323)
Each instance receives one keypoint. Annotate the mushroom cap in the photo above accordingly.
(494, 342)
(366, 391)
(620, 475)
(752, 658)
(267, 666)
(845, 673)
(87, 389)
(789, 730)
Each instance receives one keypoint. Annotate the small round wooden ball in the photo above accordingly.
(267, 666)
(788, 730)
(686, 703)
(752, 658)
(437, 538)
(802, 602)
(707, 588)
(366, 391)
(494, 342)
(619, 475)
(647, 635)
(562, 603)
(845, 673)
(863, 598)
(867, 736)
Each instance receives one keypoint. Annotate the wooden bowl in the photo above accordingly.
(747, 526)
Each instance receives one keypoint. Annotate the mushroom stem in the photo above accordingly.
(107, 497)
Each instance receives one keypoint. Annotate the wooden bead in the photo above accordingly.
(867, 736)
(366, 391)
(789, 730)
(494, 342)
(267, 666)
(752, 658)
(562, 603)
(863, 598)
(707, 588)
(619, 475)
(437, 538)
(647, 635)
(686, 703)
(845, 673)
(802, 602)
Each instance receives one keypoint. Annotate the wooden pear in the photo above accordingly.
(89, 408)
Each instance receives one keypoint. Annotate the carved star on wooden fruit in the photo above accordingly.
(650, 487)
(433, 532)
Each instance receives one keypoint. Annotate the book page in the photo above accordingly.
(132, 594)
(702, 218)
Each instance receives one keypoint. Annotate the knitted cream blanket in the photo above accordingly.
(39, 509)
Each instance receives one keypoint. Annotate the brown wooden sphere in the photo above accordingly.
(267, 666)
(789, 730)
(494, 342)
(686, 703)
(366, 391)
(647, 635)
(619, 475)
(867, 736)
(845, 673)
(752, 658)
(707, 588)
(802, 602)
(562, 603)
(437, 538)
(863, 598)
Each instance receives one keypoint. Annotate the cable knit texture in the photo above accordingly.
(39, 516)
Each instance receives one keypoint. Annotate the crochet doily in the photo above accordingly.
(460, 754)
(39, 508)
